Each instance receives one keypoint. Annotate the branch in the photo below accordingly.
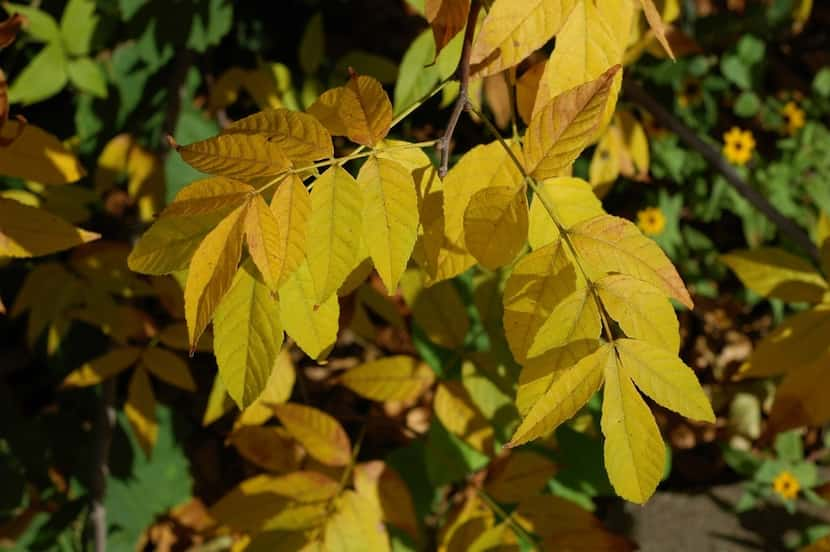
(635, 93)
(103, 440)
(464, 79)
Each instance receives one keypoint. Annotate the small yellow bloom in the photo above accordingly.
(651, 221)
(738, 146)
(786, 485)
(794, 116)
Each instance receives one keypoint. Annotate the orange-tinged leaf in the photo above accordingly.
(301, 137)
(258, 502)
(291, 206)
(30, 232)
(247, 336)
(393, 378)
(320, 434)
(268, 447)
(520, 475)
(168, 367)
(634, 450)
(313, 325)
(211, 272)
(36, 155)
(561, 129)
(773, 272)
(547, 515)
(140, 409)
(336, 109)
(513, 30)
(526, 88)
(360, 110)
(663, 377)
(569, 388)
(333, 230)
(277, 390)
(390, 217)
(447, 18)
(539, 281)
(495, 225)
(379, 483)
(356, 526)
(262, 235)
(103, 367)
(608, 244)
(801, 397)
(242, 156)
(656, 24)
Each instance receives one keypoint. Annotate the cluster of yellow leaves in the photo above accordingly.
(124, 157)
(797, 349)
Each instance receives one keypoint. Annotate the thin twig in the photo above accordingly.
(103, 440)
(464, 80)
(635, 93)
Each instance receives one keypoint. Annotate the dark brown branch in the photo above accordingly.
(464, 80)
(98, 487)
(635, 93)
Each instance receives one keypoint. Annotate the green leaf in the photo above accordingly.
(312, 47)
(788, 446)
(210, 23)
(44, 77)
(747, 105)
(821, 82)
(416, 76)
(42, 27)
(751, 50)
(734, 69)
(87, 75)
(78, 26)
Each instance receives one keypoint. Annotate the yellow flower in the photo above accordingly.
(738, 146)
(794, 116)
(651, 221)
(786, 485)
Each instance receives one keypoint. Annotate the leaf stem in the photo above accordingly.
(499, 511)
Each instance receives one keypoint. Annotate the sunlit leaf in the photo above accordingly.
(321, 435)
(30, 232)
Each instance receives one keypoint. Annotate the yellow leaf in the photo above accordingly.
(575, 318)
(259, 502)
(168, 367)
(495, 225)
(313, 325)
(170, 243)
(211, 272)
(801, 397)
(29, 232)
(219, 403)
(539, 282)
(37, 155)
(663, 377)
(634, 450)
(268, 447)
(321, 435)
(563, 127)
(301, 137)
(207, 196)
(291, 206)
(439, 311)
(242, 156)
(447, 18)
(277, 390)
(797, 341)
(522, 474)
(526, 88)
(247, 336)
(356, 526)
(572, 200)
(262, 235)
(513, 30)
(103, 367)
(608, 244)
(605, 163)
(592, 40)
(640, 310)
(635, 142)
(773, 272)
(482, 167)
(656, 24)
(381, 485)
(568, 390)
(459, 414)
(360, 110)
(393, 378)
(390, 217)
(333, 230)
(140, 409)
